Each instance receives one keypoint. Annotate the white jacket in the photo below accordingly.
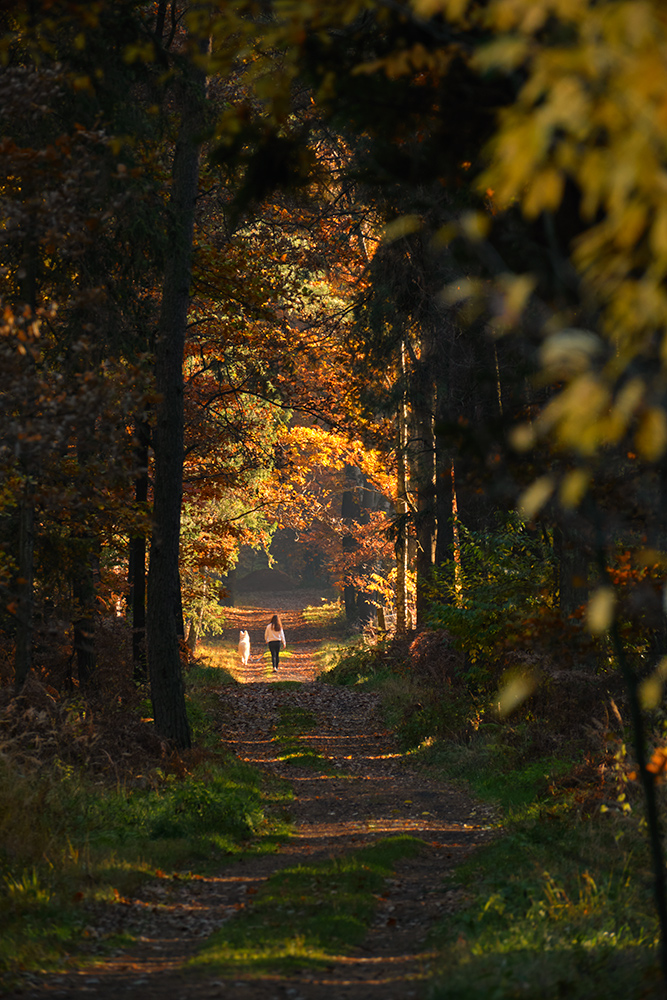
(270, 635)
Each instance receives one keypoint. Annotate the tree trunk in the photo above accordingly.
(138, 559)
(446, 511)
(349, 511)
(193, 636)
(196, 626)
(24, 586)
(401, 544)
(456, 542)
(573, 569)
(657, 537)
(356, 503)
(423, 471)
(163, 647)
(26, 559)
(83, 592)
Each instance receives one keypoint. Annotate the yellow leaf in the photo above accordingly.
(505, 54)
(523, 437)
(630, 396)
(578, 414)
(651, 688)
(475, 225)
(659, 233)
(534, 498)
(445, 234)
(573, 487)
(82, 83)
(630, 224)
(402, 226)
(651, 436)
(459, 291)
(534, 18)
(569, 352)
(452, 9)
(625, 406)
(568, 105)
(544, 193)
(515, 689)
(515, 290)
(600, 611)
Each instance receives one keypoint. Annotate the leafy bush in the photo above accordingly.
(506, 579)
(356, 664)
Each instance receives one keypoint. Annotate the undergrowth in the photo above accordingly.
(329, 615)
(558, 907)
(69, 839)
(353, 663)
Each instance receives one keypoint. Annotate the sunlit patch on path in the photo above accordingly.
(298, 661)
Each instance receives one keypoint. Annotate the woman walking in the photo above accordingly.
(274, 636)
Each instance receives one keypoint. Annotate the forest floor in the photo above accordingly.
(368, 791)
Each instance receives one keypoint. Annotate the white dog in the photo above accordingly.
(244, 647)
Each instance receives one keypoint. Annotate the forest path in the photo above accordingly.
(366, 791)
(303, 637)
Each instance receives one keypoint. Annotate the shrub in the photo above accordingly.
(356, 664)
(506, 580)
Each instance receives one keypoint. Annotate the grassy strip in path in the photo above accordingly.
(304, 916)
(293, 724)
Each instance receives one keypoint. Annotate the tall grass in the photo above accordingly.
(558, 907)
(217, 661)
(328, 615)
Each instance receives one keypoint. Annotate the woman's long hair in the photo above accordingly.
(276, 624)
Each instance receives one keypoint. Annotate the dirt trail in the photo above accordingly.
(302, 638)
(368, 792)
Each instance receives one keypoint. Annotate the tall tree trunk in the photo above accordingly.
(573, 567)
(163, 648)
(24, 586)
(427, 530)
(356, 503)
(401, 544)
(657, 537)
(83, 593)
(423, 471)
(349, 512)
(456, 542)
(26, 560)
(445, 501)
(138, 558)
(85, 562)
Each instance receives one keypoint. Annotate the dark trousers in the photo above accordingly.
(274, 646)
